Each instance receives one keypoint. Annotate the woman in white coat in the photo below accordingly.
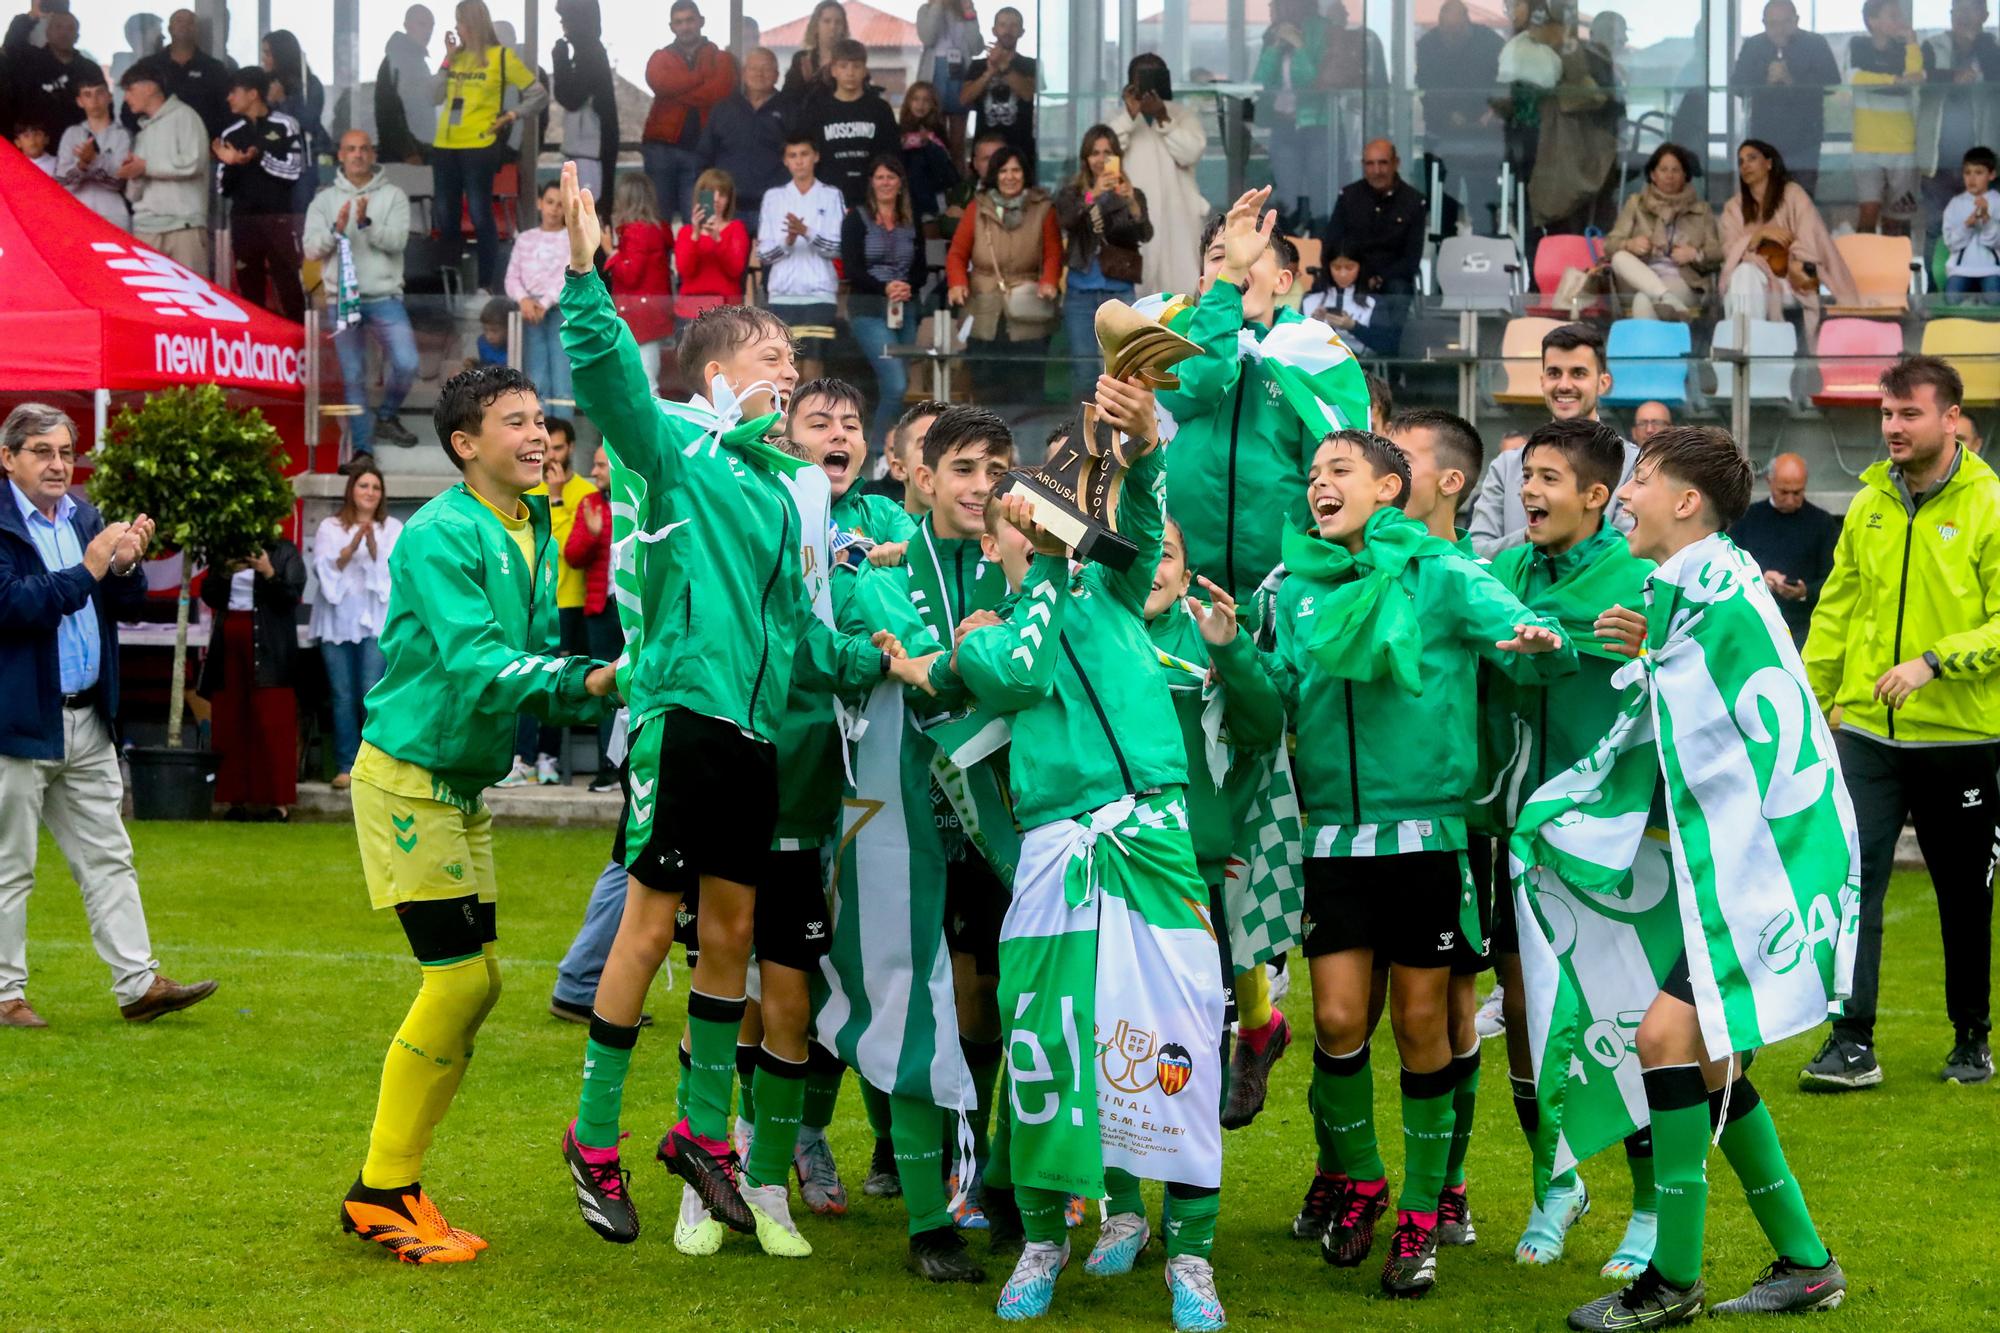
(1162, 143)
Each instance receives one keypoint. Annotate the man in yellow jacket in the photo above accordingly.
(1904, 653)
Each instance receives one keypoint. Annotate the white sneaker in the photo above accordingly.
(739, 1134)
(697, 1232)
(1491, 1020)
(546, 771)
(1281, 982)
(518, 776)
(771, 1206)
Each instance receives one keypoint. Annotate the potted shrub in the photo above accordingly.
(213, 479)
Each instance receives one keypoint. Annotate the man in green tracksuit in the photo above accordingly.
(1574, 566)
(1108, 888)
(1379, 626)
(718, 622)
(470, 643)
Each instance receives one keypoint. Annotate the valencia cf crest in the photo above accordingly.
(1175, 1068)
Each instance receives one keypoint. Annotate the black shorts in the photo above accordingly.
(975, 903)
(1678, 983)
(793, 926)
(715, 802)
(1404, 907)
(1465, 962)
(1505, 936)
(1220, 925)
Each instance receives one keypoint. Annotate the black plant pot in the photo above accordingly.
(172, 784)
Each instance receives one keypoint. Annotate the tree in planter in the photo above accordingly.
(213, 479)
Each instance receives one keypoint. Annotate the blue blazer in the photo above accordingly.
(33, 603)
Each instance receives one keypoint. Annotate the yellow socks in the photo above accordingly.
(425, 1065)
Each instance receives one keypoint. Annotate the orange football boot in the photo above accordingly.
(404, 1222)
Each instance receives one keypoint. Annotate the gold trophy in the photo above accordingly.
(1075, 493)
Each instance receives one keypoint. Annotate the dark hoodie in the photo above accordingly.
(583, 81)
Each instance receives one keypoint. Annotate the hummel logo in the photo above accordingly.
(403, 823)
(1973, 799)
(1305, 606)
(815, 930)
(1445, 937)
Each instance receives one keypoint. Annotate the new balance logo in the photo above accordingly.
(167, 287)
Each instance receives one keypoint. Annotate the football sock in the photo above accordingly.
(1121, 1192)
(1526, 1109)
(1189, 1219)
(712, 1025)
(1343, 1098)
(1464, 1100)
(824, 1071)
(1042, 1213)
(781, 1092)
(425, 1059)
(875, 1102)
(681, 1083)
(1639, 1156)
(1253, 1006)
(1427, 1136)
(746, 1077)
(1679, 1102)
(1750, 1143)
(607, 1056)
(983, 1058)
(442, 1092)
(916, 1128)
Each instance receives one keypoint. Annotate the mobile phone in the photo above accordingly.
(705, 201)
(1113, 166)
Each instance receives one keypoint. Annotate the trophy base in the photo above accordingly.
(1086, 538)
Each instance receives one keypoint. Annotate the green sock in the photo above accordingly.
(746, 1079)
(1343, 1100)
(983, 1057)
(1464, 1100)
(781, 1091)
(1121, 1192)
(1042, 1213)
(1427, 1136)
(917, 1129)
(1679, 1103)
(681, 1083)
(1750, 1142)
(712, 1025)
(875, 1102)
(999, 1166)
(824, 1071)
(1639, 1156)
(607, 1054)
(1190, 1222)
(1328, 1157)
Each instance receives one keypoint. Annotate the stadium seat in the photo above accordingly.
(1649, 362)
(1773, 348)
(1477, 273)
(1852, 354)
(1521, 360)
(1966, 307)
(1555, 256)
(1973, 348)
(1881, 266)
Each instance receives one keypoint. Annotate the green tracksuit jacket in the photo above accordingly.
(874, 516)
(471, 642)
(727, 621)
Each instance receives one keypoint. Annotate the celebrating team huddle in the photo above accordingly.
(1014, 836)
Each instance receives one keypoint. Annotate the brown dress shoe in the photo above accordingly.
(20, 1014)
(166, 996)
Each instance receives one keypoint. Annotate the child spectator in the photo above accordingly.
(491, 348)
(33, 141)
(1971, 233)
(638, 244)
(799, 238)
(849, 122)
(926, 155)
(535, 280)
(1885, 65)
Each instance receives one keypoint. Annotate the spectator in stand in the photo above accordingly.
(1295, 111)
(91, 152)
(1961, 104)
(1665, 248)
(350, 602)
(1003, 265)
(712, 251)
(1458, 70)
(1783, 74)
(927, 156)
(688, 77)
(812, 64)
(297, 92)
(1344, 303)
(798, 239)
(1530, 67)
(584, 89)
(1775, 247)
(66, 579)
(1105, 222)
(43, 79)
(745, 137)
(960, 196)
(166, 174)
(33, 142)
(143, 39)
(1971, 232)
(1576, 159)
(1379, 221)
(184, 70)
(882, 253)
(587, 550)
(1792, 538)
(850, 122)
(1000, 88)
(247, 675)
(949, 30)
(1885, 65)
(405, 115)
(469, 89)
(357, 229)
(1649, 420)
(262, 153)
(535, 281)
(1162, 146)
(636, 267)
(490, 347)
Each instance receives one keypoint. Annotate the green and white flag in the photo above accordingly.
(1320, 378)
(1757, 879)
(1263, 888)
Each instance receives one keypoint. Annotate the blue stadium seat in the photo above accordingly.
(1649, 363)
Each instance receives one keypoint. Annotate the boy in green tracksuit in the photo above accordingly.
(1573, 567)
(718, 624)
(1107, 941)
(1379, 626)
(470, 644)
